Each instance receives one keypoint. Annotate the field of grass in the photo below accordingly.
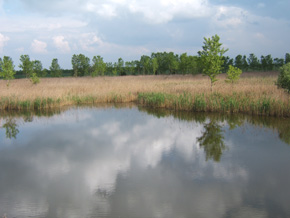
(255, 93)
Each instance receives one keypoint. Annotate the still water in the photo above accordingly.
(133, 162)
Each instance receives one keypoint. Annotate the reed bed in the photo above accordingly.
(254, 93)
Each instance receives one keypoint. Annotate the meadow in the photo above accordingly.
(254, 93)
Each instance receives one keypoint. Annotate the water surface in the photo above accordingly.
(135, 162)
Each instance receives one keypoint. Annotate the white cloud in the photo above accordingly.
(3, 40)
(61, 44)
(163, 11)
(38, 46)
(229, 17)
(90, 41)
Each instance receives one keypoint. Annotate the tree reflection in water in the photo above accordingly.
(11, 128)
(212, 141)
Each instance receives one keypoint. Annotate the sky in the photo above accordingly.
(50, 29)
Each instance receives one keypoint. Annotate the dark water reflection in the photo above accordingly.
(130, 162)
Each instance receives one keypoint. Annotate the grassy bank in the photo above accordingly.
(255, 93)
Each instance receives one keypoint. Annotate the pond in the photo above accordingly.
(124, 161)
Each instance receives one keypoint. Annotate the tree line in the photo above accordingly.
(157, 64)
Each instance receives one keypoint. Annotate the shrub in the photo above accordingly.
(284, 77)
(34, 78)
(233, 74)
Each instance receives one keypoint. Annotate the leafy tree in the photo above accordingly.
(254, 63)
(284, 77)
(233, 74)
(212, 57)
(99, 66)
(227, 62)
(120, 66)
(37, 68)
(130, 67)
(187, 64)
(245, 63)
(55, 70)
(34, 78)
(154, 63)
(267, 62)
(26, 65)
(80, 64)
(7, 69)
(239, 61)
(212, 140)
(145, 64)
(115, 69)
(278, 62)
(287, 58)
(172, 62)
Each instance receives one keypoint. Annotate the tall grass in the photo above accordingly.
(215, 102)
(254, 93)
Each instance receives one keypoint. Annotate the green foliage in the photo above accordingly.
(37, 68)
(188, 64)
(155, 66)
(26, 65)
(267, 63)
(254, 63)
(34, 78)
(55, 70)
(99, 66)
(233, 74)
(212, 57)
(284, 77)
(81, 65)
(287, 58)
(7, 71)
(227, 62)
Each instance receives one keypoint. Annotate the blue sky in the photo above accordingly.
(50, 29)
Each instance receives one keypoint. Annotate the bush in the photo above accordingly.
(34, 78)
(284, 77)
(233, 74)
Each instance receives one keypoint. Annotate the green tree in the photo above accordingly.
(99, 66)
(145, 64)
(212, 57)
(154, 63)
(233, 74)
(245, 65)
(227, 62)
(26, 65)
(34, 78)
(172, 62)
(284, 77)
(254, 63)
(7, 71)
(115, 69)
(37, 68)
(287, 58)
(239, 61)
(267, 62)
(120, 66)
(184, 63)
(55, 70)
(80, 64)
(278, 62)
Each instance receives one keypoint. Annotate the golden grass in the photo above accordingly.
(254, 86)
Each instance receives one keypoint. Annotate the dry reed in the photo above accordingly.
(51, 92)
